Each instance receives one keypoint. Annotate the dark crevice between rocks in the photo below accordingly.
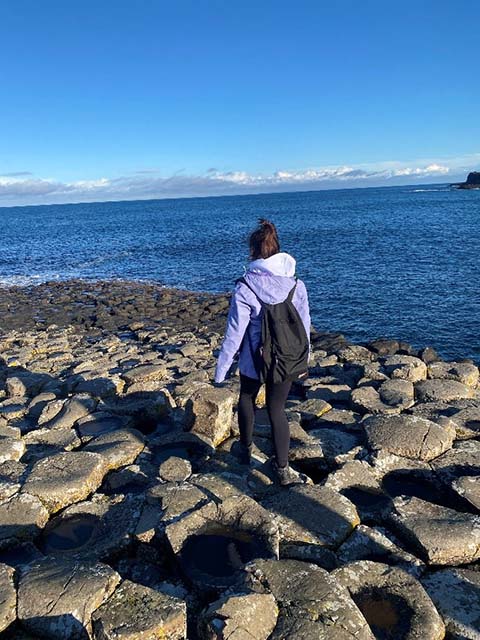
(426, 486)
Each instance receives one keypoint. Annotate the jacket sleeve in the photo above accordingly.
(303, 308)
(237, 323)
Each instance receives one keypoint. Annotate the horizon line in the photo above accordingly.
(229, 195)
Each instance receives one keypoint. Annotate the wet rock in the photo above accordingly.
(93, 529)
(135, 611)
(237, 616)
(210, 412)
(441, 535)
(312, 605)
(8, 597)
(380, 545)
(65, 478)
(456, 594)
(56, 600)
(442, 390)
(408, 436)
(428, 354)
(405, 368)
(463, 372)
(22, 517)
(384, 346)
(311, 515)
(393, 602)
(175, 469)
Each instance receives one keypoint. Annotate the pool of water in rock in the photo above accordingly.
(388, 615)
(215, 557)
(70, 533)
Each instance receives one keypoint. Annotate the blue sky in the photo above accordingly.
(116, 99)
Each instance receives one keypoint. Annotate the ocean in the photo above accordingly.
(399, 262)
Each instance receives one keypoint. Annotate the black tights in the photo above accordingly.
(276, 396)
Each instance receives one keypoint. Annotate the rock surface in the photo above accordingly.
(8, 597)
(311, 515)
(408, 436)
(393, 602)
(135, 611)
(240, 616)
(65, 478)
(119, 461)
(210, 413)
(311, 603)
(441, 535)
(456, 594)
(56, 600)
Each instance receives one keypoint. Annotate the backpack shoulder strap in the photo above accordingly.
(243, 281)
(292, 291)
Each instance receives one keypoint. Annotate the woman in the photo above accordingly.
(269, 278)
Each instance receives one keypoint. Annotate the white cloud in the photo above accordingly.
(23, 188)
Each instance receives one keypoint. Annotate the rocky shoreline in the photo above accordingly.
(125, 514)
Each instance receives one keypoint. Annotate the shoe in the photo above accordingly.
(244, 454)
(286, 475)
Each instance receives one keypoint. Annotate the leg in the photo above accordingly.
(249, 388)
(276, 398)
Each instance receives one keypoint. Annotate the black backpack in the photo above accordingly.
(284, 349)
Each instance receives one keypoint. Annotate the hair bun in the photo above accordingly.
(264, 240)
(265, 223)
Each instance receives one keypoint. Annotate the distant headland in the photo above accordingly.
(472, 181)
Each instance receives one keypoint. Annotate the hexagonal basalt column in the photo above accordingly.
(214, 543)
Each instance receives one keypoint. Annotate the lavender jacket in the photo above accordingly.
(272, 279)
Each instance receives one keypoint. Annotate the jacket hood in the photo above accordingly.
(280, 264)
(272, 278)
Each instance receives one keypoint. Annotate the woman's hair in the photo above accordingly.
(264, 240)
